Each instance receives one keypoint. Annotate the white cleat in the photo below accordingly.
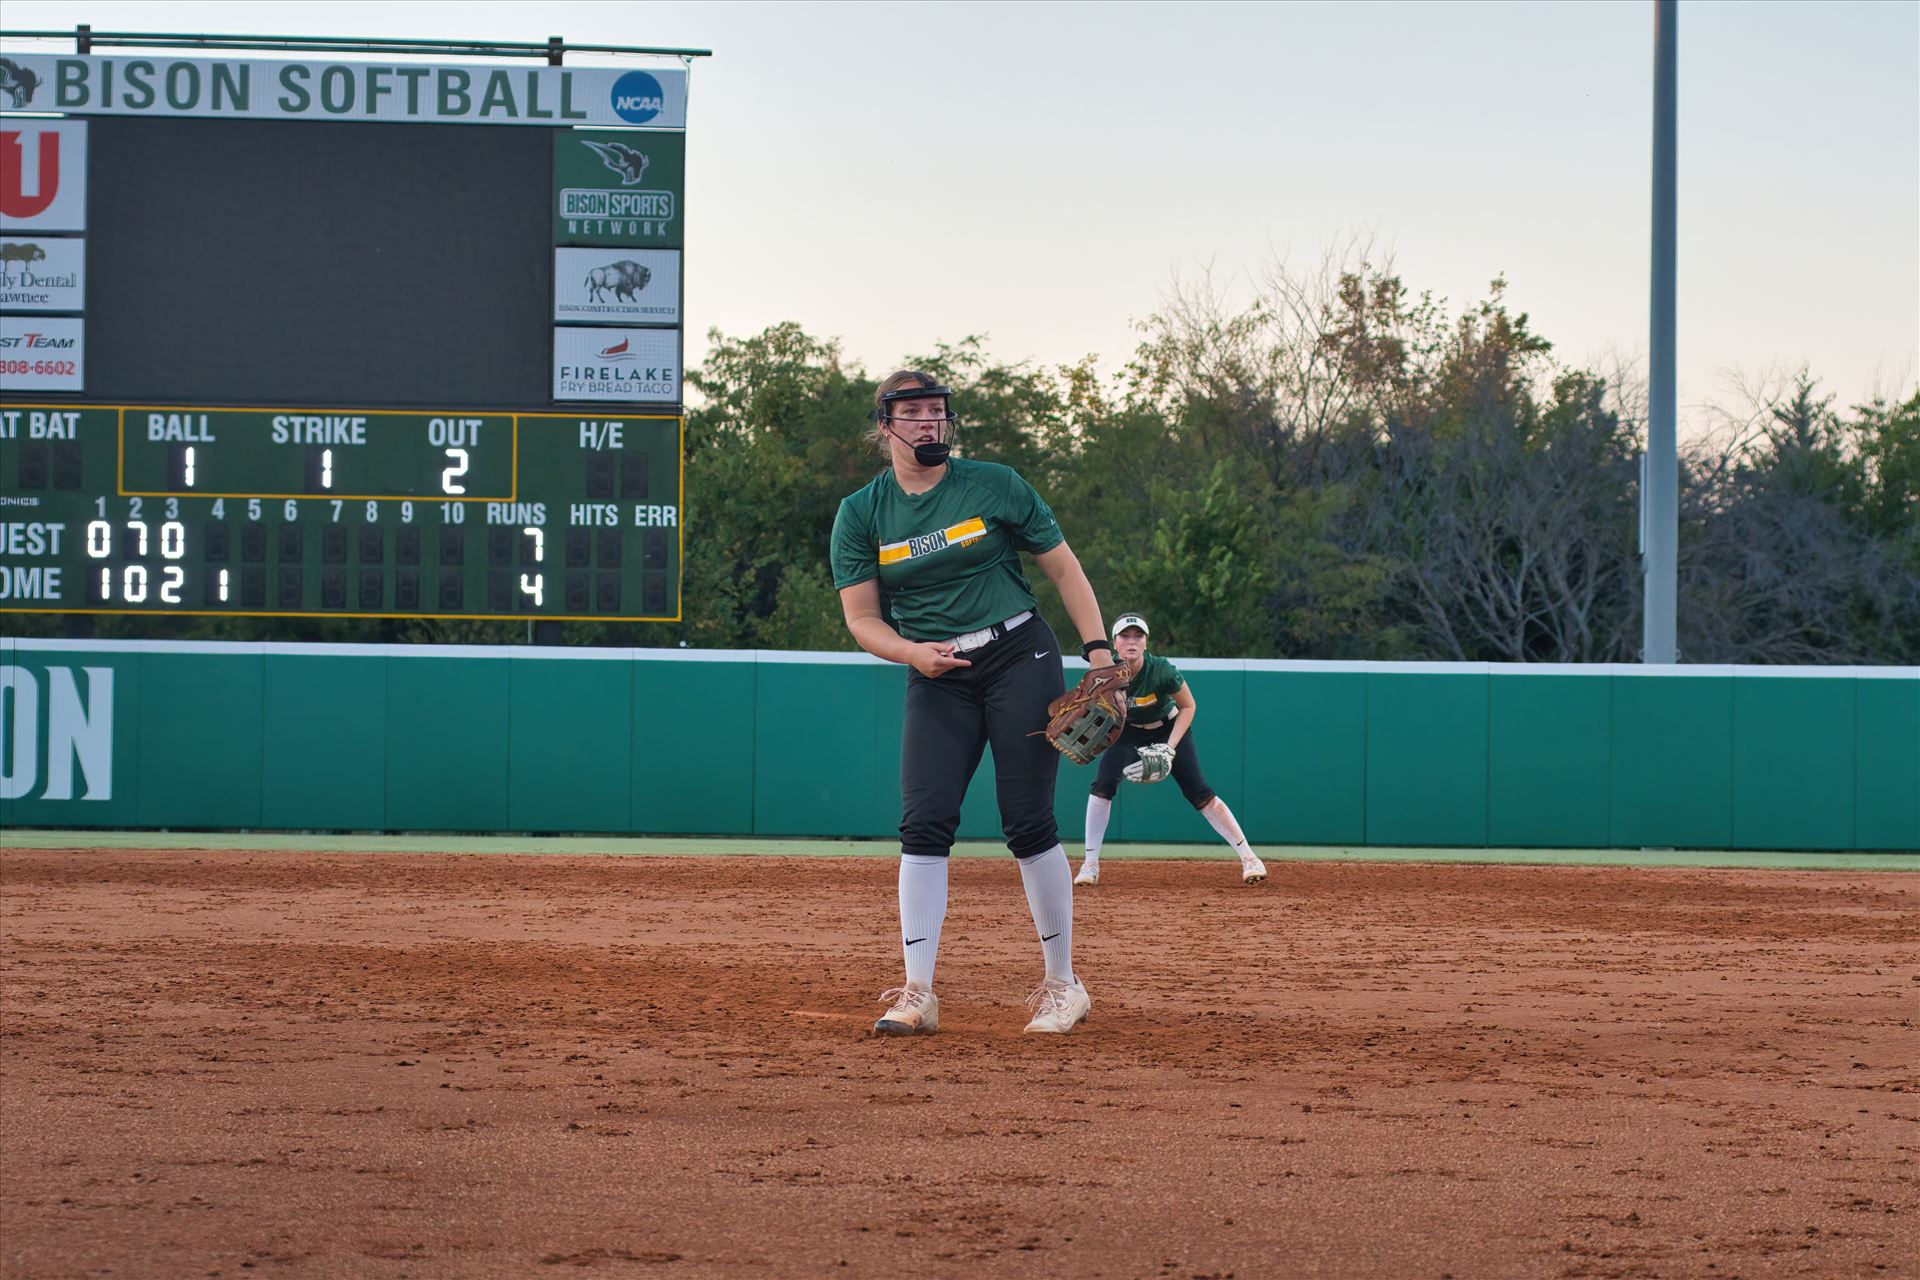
(1089, 872)
(915, 1011)
(1058, 1007)
(1252, 871)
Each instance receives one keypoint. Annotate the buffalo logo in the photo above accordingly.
(631, 165)
(623, 279)
(17, 83)
(21, 252)
(618, 351)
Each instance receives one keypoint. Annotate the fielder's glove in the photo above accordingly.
(1155, 763)
(1088, 718)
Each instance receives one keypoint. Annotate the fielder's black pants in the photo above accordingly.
(1186, 764)
(1001, 699)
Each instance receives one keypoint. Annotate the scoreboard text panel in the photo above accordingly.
(317, 512)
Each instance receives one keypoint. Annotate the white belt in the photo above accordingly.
(987, 635)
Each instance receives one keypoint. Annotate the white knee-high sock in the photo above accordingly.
(1099, 809)
(923, 908)
(1049, 884)
(1221, 819)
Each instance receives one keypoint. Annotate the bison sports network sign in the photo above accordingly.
(254, 89)
(619, 189)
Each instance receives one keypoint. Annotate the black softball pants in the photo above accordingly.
(1186, 764)
(1001, 699)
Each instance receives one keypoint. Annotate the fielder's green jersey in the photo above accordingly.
(1150, 694)
(948, 559)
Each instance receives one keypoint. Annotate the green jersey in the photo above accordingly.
(948, 560)
(1150, 694)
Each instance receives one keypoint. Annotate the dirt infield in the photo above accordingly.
(233, 1064)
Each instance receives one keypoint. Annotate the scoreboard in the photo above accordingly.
(307, 339)
(339, 512)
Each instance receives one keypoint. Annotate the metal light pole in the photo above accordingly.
(1660, 475)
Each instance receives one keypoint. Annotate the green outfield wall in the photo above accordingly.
(149, 734)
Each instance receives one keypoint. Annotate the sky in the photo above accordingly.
(897, 175)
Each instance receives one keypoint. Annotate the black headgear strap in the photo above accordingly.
(928, 390)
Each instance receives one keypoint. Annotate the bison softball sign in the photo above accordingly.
(616, 286)
(257, 89)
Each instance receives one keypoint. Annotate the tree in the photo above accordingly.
(1787, 552)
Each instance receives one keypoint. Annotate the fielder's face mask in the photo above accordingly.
(935, 452)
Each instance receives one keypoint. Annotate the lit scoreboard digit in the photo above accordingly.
(339, 512)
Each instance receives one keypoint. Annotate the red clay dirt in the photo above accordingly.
(302, 1065)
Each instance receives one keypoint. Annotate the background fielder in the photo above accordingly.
(1157, 741)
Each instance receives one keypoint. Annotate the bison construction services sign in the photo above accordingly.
(613, 286)
(255, 89)
(619, 189)
(56, 732)
(638, 365)
(43, 175)
(42, 273)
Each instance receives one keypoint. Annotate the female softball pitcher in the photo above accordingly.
(1158, 740)
(926, 559)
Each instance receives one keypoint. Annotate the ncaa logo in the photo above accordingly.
(638, 98)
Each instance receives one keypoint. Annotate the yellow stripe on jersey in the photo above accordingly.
(927, 543)
(1147, 701)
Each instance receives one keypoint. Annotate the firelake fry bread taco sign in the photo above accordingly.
(257, 89)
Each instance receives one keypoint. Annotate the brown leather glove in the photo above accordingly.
(1088, 718)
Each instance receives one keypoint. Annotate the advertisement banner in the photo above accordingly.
(42, 354)
(617, 364)
(42, 273)
(43, 174)
(256, 89)
(618, 188)
(613, 286)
